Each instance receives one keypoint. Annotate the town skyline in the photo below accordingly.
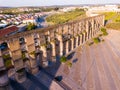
(15, 3)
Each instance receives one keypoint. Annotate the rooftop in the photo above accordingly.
(8, 30)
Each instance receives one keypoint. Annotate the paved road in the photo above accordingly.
(61, 83)
(95, 67)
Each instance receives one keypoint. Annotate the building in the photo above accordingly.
(8, 31)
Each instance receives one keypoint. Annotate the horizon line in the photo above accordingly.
(61, 5)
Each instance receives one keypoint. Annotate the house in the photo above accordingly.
(8, 31)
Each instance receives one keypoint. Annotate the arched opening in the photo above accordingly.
(6, 55)
(74, 44)
(22, 40)
(49, 52)
(78, 40)
(4, 46)
(69, 45)
(64, 47)
(39, 57)
(57, 48)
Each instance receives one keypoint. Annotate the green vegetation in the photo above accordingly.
(65, 17)
(109, 15)
(115, 26)
(16, 11)
(69, 64)
(31, 26)
(104, 31)
(91, 43)
(32, 53)
(113, 19)
(6, 56)
(96, 40)
(8, 63)
(24, 58)
(63, 59)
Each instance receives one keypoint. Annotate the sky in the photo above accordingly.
(18, 3)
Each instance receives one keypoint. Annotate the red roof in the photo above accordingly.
(8, 30)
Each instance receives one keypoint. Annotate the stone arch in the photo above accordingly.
(7, 56)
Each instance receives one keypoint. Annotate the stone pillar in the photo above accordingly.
(60, 38)
(38, 56)
(53, 51)
(87, 30)
(84, 37)
(44, 59)
(72, 43)
(93, 27)
(34, 66)
(4, 81)
(77, 38)
(81, 39)
(20, 75)
(67, 48)
(49, 52)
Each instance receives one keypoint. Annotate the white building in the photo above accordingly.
(26, 21)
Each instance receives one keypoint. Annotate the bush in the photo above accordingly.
(91, 43)
(63, 59)
(96, 40)
(8, 63)
(6, 56)
(103, 30)
(31, 26)
(69, 64)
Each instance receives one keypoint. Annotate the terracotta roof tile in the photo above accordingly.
(8, 30)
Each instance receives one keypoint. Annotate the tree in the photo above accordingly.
(31, 26)
(63, 59)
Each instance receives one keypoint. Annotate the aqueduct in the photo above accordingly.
(45, 45)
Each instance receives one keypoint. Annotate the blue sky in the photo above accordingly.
(52, 2)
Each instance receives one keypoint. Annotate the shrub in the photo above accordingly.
(63, 59)
(96, 40)
(8, 63)
(90, 43)
(6, 56)
(103, 30)
(69, 64)
(32, 53)
(105, 33)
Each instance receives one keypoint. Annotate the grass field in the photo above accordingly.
(114, 20)
(65, 17)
